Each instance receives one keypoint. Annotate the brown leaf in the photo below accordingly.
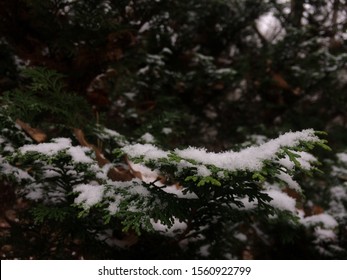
(114, 54)
(280, 82)
(4, 224)
(114, 173)
(35, 133)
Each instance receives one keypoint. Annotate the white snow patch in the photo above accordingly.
(8, 169)
(58, 144)
(287, 163)
(204, 250)
(167, 130)
(306, 159)
(324, 234)
(89, 195)
(78, 154)
(148, 138)
(250, 158)
(326, 220)
(130, 95)
(113, 207)
(143, 70)
(36, 192)
(177, 227)
(140, 190)
(146, 26)
(247, 204)
(281, 200)
(150, 176)
(241, 236)
(110, 132)
(148, 151)
(338, 200)
(203, 171)
(270, 27)
(49, 173)
(147, 174)
(289, 180)
(179, 192)
(342, 157)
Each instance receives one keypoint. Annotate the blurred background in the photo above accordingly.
(211, 71)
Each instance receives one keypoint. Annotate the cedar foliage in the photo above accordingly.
(175, 74)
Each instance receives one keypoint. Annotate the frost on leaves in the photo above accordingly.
(180, 193)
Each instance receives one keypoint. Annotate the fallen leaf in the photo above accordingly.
(35, 133)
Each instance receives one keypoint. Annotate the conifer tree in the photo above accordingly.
(173, 129)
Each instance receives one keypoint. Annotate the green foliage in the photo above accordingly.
(176, 74)
(42, 213)
(45, 100)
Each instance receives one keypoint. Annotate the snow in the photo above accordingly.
(173, 189)
(148, 151)
(110, 132)
(203, 171)
(89, 195)
(177, 227)
(342, 157)
(241, 236)
(36, 192)
(148, 138)
(250, 158)
(258, 139)
(287, 163)
(130, 95)
(183, 164)
(133, 187)
(58, 144)
(146, 26)
(247, 205)
(281, 200)
(143, 70)
(173, 39)
(270, 27)
(140, 190)
(7, 147)
(289, 180)
(48, 148)
(306, 159)
(113, 207)
(106, 134)
(150, 176)
(324, 234)
(326, 220)
(167, 130)
(8, 169)
(338, 201)
(204, 250)
(78, 154)
(49, 173)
